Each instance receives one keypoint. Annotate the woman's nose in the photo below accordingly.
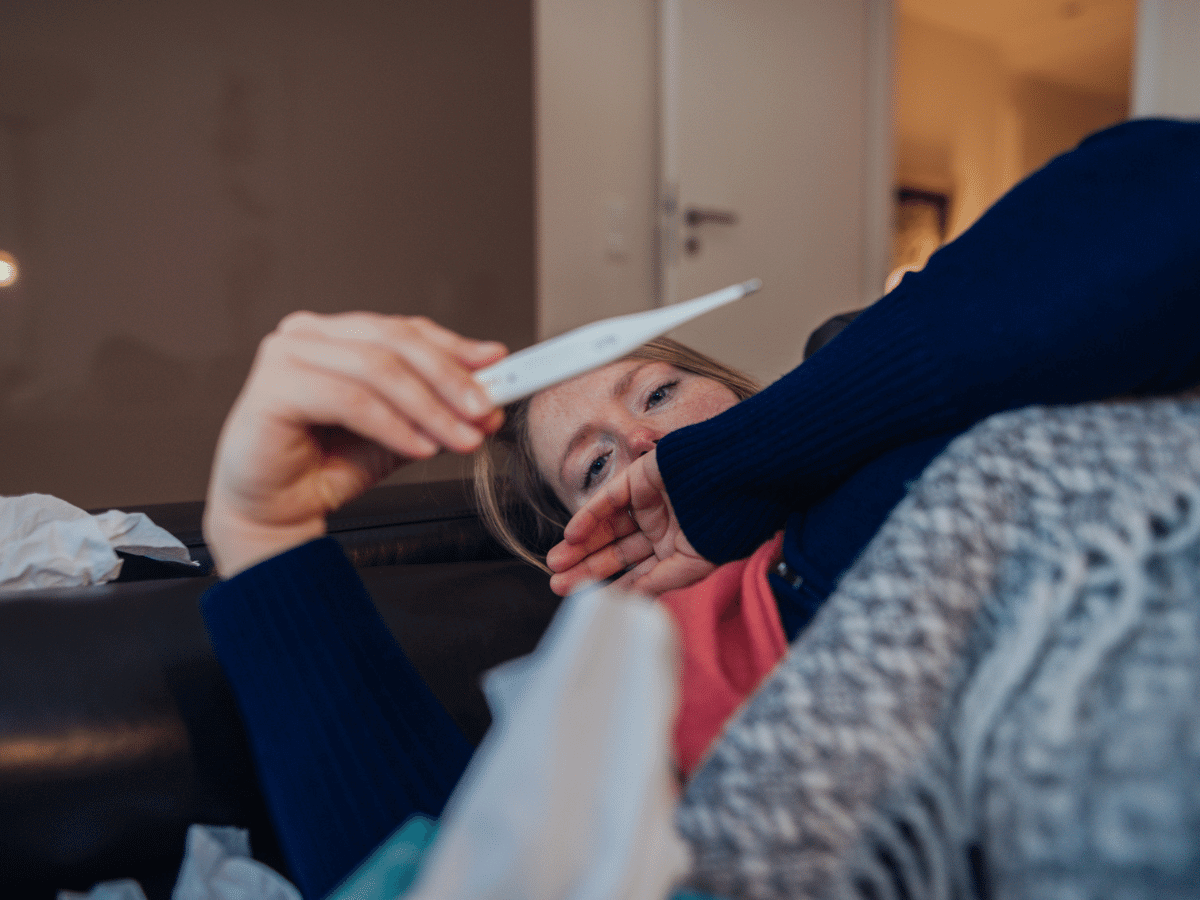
(642, 441)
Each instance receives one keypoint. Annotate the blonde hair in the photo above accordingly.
(517, 505)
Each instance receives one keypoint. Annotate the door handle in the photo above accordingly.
(695, 216)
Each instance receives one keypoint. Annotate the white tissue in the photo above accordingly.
(135, 533)
(216, 866)
(572, 795)
(46, 542)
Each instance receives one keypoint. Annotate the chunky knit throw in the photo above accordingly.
(1002, 698)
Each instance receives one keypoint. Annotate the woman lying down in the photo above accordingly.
(739, 509)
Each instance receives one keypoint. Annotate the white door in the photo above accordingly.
(775, 163)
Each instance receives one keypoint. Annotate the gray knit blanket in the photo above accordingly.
(1002, 698)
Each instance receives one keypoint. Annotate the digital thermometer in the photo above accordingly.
(592, 346)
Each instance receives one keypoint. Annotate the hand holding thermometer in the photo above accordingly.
(592, 346)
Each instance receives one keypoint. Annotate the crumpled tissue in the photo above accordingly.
(47, 542)
(216, 866)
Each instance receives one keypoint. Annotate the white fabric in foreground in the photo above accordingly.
(573, 792)
(46, 542)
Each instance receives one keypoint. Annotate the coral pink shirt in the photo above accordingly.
(732, 638)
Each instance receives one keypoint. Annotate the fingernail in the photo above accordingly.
(424, 446)
(475, 404)
(466, 434)
(482, 350)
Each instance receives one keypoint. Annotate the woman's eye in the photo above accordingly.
(660, 393)
(594, 470)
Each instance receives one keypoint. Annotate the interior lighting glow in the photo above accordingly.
(9, 270)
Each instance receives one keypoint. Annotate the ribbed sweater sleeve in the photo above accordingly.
(347, 738)
(1083, 282)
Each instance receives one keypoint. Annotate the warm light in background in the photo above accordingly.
(9, 271)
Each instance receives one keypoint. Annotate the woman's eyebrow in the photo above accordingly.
(621, 386)
(619, 389)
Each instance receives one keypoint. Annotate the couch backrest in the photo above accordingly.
(429, 522)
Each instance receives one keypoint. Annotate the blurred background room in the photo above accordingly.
(177, 175)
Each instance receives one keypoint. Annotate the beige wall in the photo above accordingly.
(177, 176)
(596, 141)
(954, 133)
(1053, 118)
(970, 127)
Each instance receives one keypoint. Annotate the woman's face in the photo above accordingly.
(586, 430)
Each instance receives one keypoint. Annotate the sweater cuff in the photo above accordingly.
(733, 479)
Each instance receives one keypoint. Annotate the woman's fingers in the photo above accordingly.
(627, 527)
(592, 532)
(423, 370)
(676, 571)
(644, 571)
(372, 385)
(437, 356)
(602, 519)
(333, 404)
(401, 383)
(349, 466)
(617, 556)
(630, 579)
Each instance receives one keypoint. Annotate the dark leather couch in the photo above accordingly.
(117, 729)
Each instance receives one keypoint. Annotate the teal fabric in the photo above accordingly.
(392, 868)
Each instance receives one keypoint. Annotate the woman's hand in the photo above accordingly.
(630, 525)
(332, 405)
